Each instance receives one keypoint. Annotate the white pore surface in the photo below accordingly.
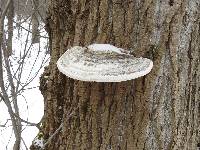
(104, 47)
(83, 63)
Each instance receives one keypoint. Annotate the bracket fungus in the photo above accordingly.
(102, 63)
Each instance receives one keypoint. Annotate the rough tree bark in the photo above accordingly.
(154, 112)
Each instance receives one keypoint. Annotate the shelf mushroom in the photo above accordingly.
(102, 63)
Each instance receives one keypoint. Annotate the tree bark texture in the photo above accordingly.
(158, 111)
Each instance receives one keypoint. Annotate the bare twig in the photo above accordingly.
(51, 137)
(29, 123)
(13, 93)
(29, 30)
(57, 130)
(24, 144)
(4, 125)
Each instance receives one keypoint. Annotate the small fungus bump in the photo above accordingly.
(102, 63)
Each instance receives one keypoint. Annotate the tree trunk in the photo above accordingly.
(158, 111)
(10, 17)
(35, 22)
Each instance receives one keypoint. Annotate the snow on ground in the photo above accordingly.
(30, 100)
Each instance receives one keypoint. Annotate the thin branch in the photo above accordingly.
(24, 144)
(29, 123)
(51, 137)
(13, 92)
(4, 125)
(57, 130)
(29, 30)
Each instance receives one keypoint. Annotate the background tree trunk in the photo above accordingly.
(157, 111)
(35, 22)
(10, 16)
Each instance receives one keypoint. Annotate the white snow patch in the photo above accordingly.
(38, 142)
(105, 47)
